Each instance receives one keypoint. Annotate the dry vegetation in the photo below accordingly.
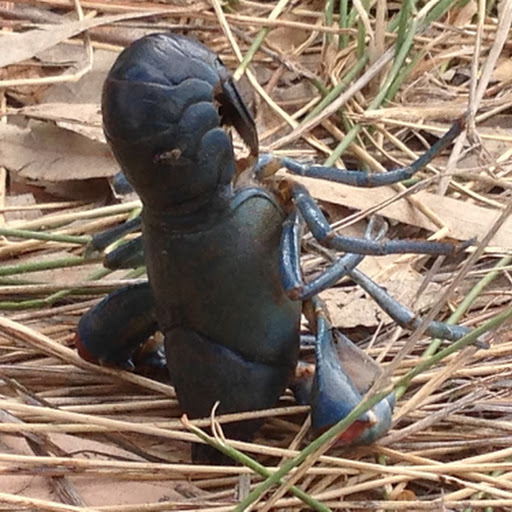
(372, 89)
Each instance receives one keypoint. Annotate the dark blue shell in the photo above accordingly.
(163, 105)
(231, 332)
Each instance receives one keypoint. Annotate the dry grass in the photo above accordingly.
(79, 427)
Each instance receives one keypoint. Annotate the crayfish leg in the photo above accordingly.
(364, 179)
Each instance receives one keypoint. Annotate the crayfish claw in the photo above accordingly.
(343, 374)
(114, 332)
(234, 112)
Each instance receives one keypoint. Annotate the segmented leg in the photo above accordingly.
(322, 231)
(128, 255)
(102, 240)
(402, 315)
(289, 261)
(356, 247)
(361, 178)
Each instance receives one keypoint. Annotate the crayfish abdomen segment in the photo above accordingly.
(205, 372)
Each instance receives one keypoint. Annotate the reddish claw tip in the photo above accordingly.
(353, 432)
(350, 436)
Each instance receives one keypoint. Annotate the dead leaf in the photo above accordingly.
(88, 88)
(329, 57)
(95, 491)
(16, 47)
(406, 495)
(21, 200)
(350, 309)
(465, 15)
(503, 70)
(49, 153)
(83, 118)
(61, 55)
(25, 94)
(87, 113)
(288, 38)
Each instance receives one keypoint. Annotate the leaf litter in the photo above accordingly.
(77, 437)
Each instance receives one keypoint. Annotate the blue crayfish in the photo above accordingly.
(223, 259)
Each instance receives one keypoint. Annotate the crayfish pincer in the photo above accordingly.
(223, 259)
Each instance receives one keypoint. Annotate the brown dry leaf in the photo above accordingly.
(74, 113)
(354, 308)
(503, 70)
(25, 94)
(21, 200)
(329, 57)
(16, 47)
(436, 62)
(48, 153)
(499, 128)
(349, 309)
(465, 15)
(288, 38)
(61, 55)
(406, 495)
(83, 118)
(88, 88)
(95, 491)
